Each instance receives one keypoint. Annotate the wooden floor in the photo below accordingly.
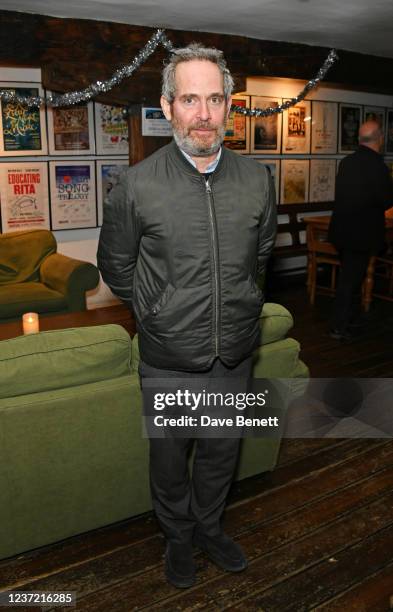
(318, 531)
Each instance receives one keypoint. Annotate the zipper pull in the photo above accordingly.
(208, 188)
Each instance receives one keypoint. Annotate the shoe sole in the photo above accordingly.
(218, 561)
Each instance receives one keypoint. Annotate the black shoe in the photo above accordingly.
(343, 336)
(223, 551)
(179, 564)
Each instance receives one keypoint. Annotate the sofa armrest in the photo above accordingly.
(275, 322)
(70, 277)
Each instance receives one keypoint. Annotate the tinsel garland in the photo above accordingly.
(271, 110)
(84, 95)
(159, 37)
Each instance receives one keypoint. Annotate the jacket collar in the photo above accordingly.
(365, 149)
(185, 166)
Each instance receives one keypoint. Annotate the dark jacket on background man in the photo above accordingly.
(185, 256)
(364, 190)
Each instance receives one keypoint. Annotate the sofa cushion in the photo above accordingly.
(17, 298)
(63, 358)
(275, 322)
(21, 254)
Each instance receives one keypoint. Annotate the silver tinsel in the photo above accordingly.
(84, 95)
(159, 37)
(264, 112)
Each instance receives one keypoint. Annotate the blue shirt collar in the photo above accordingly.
(211, 167)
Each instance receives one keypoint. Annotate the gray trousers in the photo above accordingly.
(183, 503)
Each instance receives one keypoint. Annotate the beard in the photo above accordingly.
(197, 146)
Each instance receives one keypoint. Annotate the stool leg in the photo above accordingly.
(368, 285)
(313, 284)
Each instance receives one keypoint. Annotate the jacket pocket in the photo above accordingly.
(255, 290)
(157, 305)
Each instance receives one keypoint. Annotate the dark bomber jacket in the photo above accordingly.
(364, 190)
(184, 254)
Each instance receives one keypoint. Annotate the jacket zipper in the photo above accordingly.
(210, 204)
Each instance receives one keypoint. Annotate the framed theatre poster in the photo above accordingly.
(71, 130)
(322, 180)
(22, 129)
(375, 113)
(273, 166)
(297, 128)
(237, 133)
(73, 194)
(108, 175)
(389, 132)
(324, 127)
(266, 131)
(294, 181)
(349, 123)
(111, 129)
(24, 196)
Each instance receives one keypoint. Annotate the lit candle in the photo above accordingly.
(31, 324)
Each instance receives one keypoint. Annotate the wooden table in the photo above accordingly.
(99, 316)
(324, 220)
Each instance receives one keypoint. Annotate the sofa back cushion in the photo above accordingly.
(21, 254)
(63, 358)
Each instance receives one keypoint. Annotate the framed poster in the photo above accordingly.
(23, 129)
(389, 132)
(375, 113)
(108, 175)
(24, 196)
(324, 127)
(274, 167)
(154, 123)
(73, 194)
(297, 128)
(322, 180)
(349, 123)
(266, 131)
(294, 181)
(237, 133)
(111, 129)
(70, 130)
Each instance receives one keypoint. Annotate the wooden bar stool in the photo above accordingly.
(320, 251)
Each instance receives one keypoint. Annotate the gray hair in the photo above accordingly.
(194, 51)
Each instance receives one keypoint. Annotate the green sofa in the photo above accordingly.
(72, 453)
(35, 278)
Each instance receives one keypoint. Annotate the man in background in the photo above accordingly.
(185, 234)
(364, 190)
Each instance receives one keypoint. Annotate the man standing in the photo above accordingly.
(364, 191)
(185, 234)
